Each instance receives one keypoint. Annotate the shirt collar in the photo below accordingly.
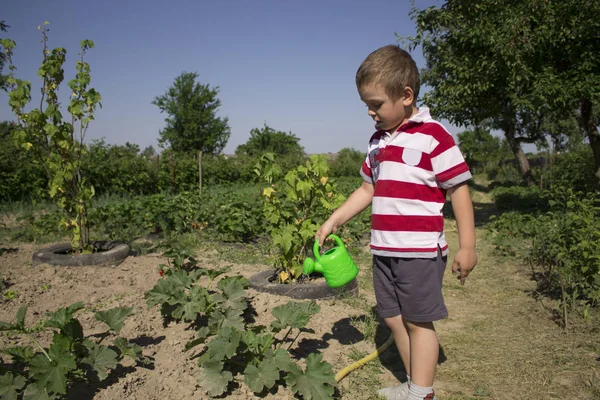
(421, 115)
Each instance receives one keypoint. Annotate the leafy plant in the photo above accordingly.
(38, 372)
(293, 207)
(59, 145)
(261, 358)
(567, 247)
(231, 346)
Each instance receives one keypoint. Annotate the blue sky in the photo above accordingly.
(289, 64)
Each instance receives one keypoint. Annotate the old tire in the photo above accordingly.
(109, 254)
(263, 282)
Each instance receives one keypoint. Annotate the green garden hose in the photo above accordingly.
(340, 375)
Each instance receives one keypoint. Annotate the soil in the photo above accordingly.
(46, 288)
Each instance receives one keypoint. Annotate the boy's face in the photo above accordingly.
(387, 114)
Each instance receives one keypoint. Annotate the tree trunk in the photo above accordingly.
(200, 172)
(172, 165)
(591, 130)
(522, 160)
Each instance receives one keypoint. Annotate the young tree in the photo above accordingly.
(56, 143)
(192, 123)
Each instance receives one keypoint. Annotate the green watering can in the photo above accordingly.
(336, 265)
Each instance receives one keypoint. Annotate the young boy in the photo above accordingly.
(412, 163)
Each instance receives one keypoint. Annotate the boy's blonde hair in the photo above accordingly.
(391, 67)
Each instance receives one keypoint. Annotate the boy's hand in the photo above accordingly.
(327, 228)
(464, 262)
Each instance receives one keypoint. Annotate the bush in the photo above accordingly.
(519, 198)
(574, 170)
(348, 162)
(567, 245)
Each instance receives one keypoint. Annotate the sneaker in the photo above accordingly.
(399, 392)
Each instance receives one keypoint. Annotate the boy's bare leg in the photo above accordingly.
(400, 334)
(400, 331)
(424, 350)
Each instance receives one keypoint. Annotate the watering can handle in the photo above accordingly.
(317, 251)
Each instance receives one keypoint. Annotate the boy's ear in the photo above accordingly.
(409, 96)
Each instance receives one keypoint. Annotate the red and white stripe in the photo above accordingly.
(417, 164)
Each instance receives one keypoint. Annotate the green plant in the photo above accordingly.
(10, 294)
(262, 358)
(236, 347)
(59, 145)
(293, 207)
(567, 247)
(46, 372)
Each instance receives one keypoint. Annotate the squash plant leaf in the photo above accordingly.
(63, 316)
(239, 280)
(263, 375)
(201, 335)
(283, 361)
(213, 273)
(52, 373)
(225, 345)
(163, 292)
(213, 380)
(19, 353)
(9, 384)
(132, 351)
(35, 392)
(19, 325)
(316, 382)
(294, 314)
(114, 317)
(100, 358)
(229, 318)
(233, 296)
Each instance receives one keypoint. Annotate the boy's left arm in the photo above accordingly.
(466, 257)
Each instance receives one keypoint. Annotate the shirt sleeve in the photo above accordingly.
(365, 170)
(448, 163)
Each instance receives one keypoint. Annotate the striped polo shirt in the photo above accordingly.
(411, 170)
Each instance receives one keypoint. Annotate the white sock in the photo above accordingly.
(408, 380)
(416, 392)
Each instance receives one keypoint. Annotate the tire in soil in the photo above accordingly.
(111, 254)
(262, 282)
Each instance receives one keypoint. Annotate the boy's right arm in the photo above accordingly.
(358, 201)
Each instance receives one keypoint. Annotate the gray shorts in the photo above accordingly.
(411, 287)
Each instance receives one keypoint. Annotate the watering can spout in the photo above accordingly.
(310, 266)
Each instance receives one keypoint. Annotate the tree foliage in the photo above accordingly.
(512, 66)
(3, 59)
(269, 140)
(192, 123)
(480, 147)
